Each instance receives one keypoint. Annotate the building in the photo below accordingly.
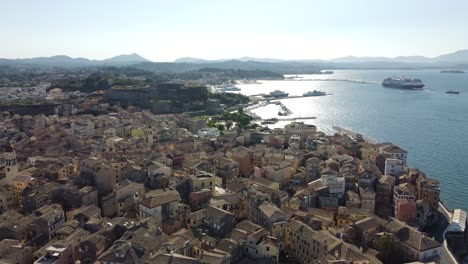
(336, 185)
(428, 190)
(367, 199)
(208, 132)
(353, 199)
(394, 167)
(242, 156)
(299, 128)
(159, 204)
(412, 244)
(8, 164)
(227, 169)
(384, 189)
(347, 216)
(15, 252)
(124, 199)
(458, 221)
(367, 228)
(201, 181)
(307, 245)
(219, 221)
(273, 220)
(7, 199)
(394, 151)
(404, 200)
(260, 246)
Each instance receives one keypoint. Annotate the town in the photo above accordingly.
(166, 174)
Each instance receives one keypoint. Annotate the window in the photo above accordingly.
(268, 248)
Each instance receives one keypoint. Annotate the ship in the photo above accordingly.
(314, 93)
(452, 71)
(452, 92)
(229, 88)
(276, 94)
(403, 83)
(270, 121)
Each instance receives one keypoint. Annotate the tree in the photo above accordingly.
(229, 124)
(388, 249)
(254, 125)
(240, 110)
(221, 127)
(244, 120)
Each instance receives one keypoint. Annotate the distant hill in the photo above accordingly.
(68, 62)
(278, 67)
(125, 59)
(457, 59)
(457, 56)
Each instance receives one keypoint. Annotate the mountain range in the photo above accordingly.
(458, 59)
(66, 61)
(460, 56)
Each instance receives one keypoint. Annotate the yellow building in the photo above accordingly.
(201, 182)
(19, 183)
(350, 215)
(137, 132)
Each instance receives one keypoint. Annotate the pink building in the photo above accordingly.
(405, 211)
(242, 156)
(197, 199)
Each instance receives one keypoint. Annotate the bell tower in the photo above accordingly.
(11, 165)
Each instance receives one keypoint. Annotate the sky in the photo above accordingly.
(163, 30)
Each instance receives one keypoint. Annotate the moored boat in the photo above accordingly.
(314, 93)
(452, 92)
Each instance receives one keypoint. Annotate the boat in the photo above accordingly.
(452, 71)
(229, 88)
(276, 94)
(270, 121)
(403, 83)
(326, 72)
(294, 77)
(452, 92)
(314, 93)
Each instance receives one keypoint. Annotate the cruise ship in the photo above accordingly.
(276, 94)
(403, 83)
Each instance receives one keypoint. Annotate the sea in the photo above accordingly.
(430, 124)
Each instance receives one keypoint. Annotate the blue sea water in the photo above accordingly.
(430, 124)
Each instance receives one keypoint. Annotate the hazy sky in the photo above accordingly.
(163, 30)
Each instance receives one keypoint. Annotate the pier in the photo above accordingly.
(255, 97)
(331, 80)
(287, 118)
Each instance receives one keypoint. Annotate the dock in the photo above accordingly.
(289, 118)
(331, 80)
(255, 97)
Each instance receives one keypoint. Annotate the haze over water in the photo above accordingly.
(430, 124)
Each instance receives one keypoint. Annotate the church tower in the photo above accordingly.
(11, 165)
(149, 136)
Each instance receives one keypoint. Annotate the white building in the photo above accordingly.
(395, 151)
(208, 132)
(336, 185)
(83, 129)
(458, 222)
(300, 129)
(159, 204)
(394, 167)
